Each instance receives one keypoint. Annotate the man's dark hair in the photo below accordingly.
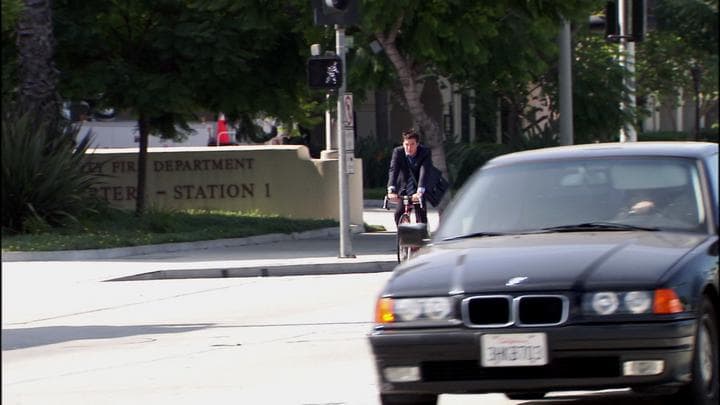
(411, 134)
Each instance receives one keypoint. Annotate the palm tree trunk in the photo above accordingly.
(39, 77)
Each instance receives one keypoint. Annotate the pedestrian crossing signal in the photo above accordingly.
(325, 72)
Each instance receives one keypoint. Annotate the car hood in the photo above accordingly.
(553, 261)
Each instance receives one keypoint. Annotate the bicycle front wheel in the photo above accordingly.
(403, 252)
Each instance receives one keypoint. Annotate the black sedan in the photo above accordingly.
(571, 268)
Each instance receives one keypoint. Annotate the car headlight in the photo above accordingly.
(408, 309)
(605, 303)
(393, 310)
(637, 302)
(437, 308)
(661, 301)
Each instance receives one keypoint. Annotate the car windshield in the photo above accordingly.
(578, 195)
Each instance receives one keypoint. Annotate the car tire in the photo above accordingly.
(408, 399)
(703, 389)
(524, 396)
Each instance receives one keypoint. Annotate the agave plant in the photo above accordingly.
(42, 174)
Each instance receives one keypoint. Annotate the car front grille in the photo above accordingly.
(585, 367)
(497, 311)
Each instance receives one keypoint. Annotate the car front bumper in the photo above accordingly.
(580, 357)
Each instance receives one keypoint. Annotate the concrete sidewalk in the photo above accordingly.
(306, 253)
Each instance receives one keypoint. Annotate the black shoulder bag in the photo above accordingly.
(435, 186)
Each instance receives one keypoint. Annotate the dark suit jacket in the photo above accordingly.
(399, 172)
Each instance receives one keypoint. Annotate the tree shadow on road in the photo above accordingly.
(22, 338)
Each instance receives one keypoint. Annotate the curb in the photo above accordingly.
(265, 271)
(113, 253)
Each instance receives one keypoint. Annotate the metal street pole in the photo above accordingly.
(565, 79)
(345, 237)
(627, 60)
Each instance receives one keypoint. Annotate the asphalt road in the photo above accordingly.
(286, 340)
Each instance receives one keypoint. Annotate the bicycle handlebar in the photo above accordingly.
(405, 198)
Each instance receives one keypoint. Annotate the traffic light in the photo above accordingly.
(336, 12)
(612, 24)
(325, 72)
(635, 20)
(638, 20)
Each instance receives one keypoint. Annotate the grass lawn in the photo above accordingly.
(117, 228)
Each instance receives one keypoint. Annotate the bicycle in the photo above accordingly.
(405, 252)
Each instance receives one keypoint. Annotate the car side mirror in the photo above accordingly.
(415, 235)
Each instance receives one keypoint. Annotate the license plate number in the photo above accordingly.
(513, 349)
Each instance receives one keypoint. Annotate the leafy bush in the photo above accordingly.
(375, 193)
(706, 135)
(710, 134)
(663, 136)
(463, 159)
(43, 183)
(376, 157)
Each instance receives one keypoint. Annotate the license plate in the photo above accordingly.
(513, 349)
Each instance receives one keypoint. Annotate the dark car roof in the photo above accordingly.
(601, 150)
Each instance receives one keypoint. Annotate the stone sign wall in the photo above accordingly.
(280, 180)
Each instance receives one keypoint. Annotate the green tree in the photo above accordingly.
(597, 91)
(498, 44)
(681, 53)
(523, 52)
(164, 60)
(10, 12)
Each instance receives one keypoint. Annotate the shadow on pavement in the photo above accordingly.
(22, 338)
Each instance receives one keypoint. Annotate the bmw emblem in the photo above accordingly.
(515, 281)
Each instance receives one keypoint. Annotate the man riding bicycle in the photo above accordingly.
(406, 176)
